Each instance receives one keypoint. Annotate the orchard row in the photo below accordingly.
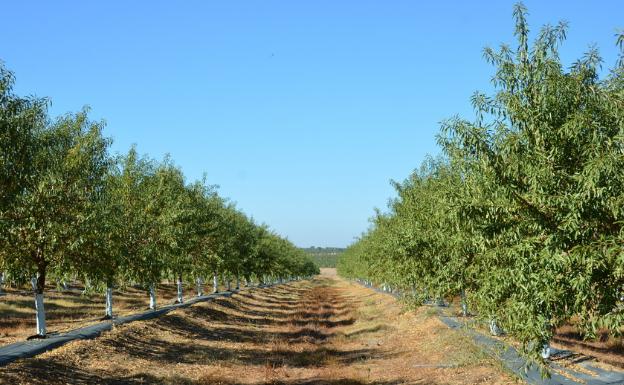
(69, 209)
(522, 215)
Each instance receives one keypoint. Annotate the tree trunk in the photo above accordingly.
(40, 310)
(545, 353)
(545, 350)
(109, 301)
(237, 282)
(1, 281)
(464, 304)
(152, 294)
(215, 283)
(200, 286)
(180, 299)
(38, 286)
(495, 330)
(229, 286)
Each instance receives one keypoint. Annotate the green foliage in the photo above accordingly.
(524, 212)
(49, 219)
(69, 209)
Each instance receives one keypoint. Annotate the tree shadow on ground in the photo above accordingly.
(268, 318)
(321, 323)
(245, 315)
(256, 300)
(163, 351)
(44, 372)
(256, 308)
(267, 300)
(190, 329)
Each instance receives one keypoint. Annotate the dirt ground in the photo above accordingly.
(324, 331)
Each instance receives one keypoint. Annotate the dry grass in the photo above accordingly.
(326, 331)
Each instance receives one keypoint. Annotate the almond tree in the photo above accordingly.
(21, 121)
(550, 142)
(175, 222)
(56, 204)
(203, 221)
(135, 191)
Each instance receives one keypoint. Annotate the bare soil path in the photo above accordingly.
(324, 331)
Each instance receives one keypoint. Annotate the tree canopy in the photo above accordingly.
(524, 209)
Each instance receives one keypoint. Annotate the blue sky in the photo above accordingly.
(300, 111)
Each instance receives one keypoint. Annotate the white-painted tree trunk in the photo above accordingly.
(1, 281)
(215, 283)
(229, 285)
(180, 294)
(41, 321)
(546, 350)
(495, 330)
(200, 286)
(545, 353)
(39, 309)
(464, 304)
(109, 302)
(152, 294)
(237, 282)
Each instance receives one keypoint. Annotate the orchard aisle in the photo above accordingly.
(324, 331)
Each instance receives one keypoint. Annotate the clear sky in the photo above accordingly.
(301, 111)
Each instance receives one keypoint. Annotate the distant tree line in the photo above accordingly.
(324, 256)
